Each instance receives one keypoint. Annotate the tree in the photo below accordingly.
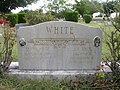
(87, 7)
(37, 16)
(56, 7)
(7, 5)
(109, 7)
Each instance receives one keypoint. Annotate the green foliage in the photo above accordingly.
(109, 7)
(71, 16)
(24, 11)
(113, 42)
(59, 15)
(100, 75)
(57, 7)
(116, 21)
(21, 18)
(35, 17)
(7, 5)
(87, 18)
(13, 18)
(6, 45)
(87, 7)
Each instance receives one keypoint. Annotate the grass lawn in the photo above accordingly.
(88, 82)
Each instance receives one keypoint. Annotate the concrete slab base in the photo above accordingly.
(30, 74)
(54, 75)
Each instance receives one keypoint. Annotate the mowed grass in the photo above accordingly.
(79, 82)
(101, 25)
(12, 83)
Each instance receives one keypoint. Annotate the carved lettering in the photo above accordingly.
(49, 29)
(71, 28)
(59, 30)
(56, 29)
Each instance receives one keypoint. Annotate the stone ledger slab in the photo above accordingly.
(59, 45)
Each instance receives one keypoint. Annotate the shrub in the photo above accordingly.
(21, 18)
(35, 17)
(6, 45)
(113, 43)
(71, 16)
(13, 18)
(87, 18)
(112, 39)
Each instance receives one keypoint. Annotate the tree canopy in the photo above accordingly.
(109, 7)
(7, 5)
(56, 7)
(87, 7)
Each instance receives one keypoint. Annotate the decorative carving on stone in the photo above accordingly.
(60, 42)
(97, 41)
(22, 42)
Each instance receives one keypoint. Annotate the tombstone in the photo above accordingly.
(59, 45)
(108, 23)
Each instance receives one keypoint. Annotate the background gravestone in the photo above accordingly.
(59, 45)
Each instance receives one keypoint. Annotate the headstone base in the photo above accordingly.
(53, 75)
(58, 75)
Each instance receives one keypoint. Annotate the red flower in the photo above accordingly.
(1, 21)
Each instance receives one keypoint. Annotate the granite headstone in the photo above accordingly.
(59, 45)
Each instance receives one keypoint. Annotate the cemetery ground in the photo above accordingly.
(98, 81)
